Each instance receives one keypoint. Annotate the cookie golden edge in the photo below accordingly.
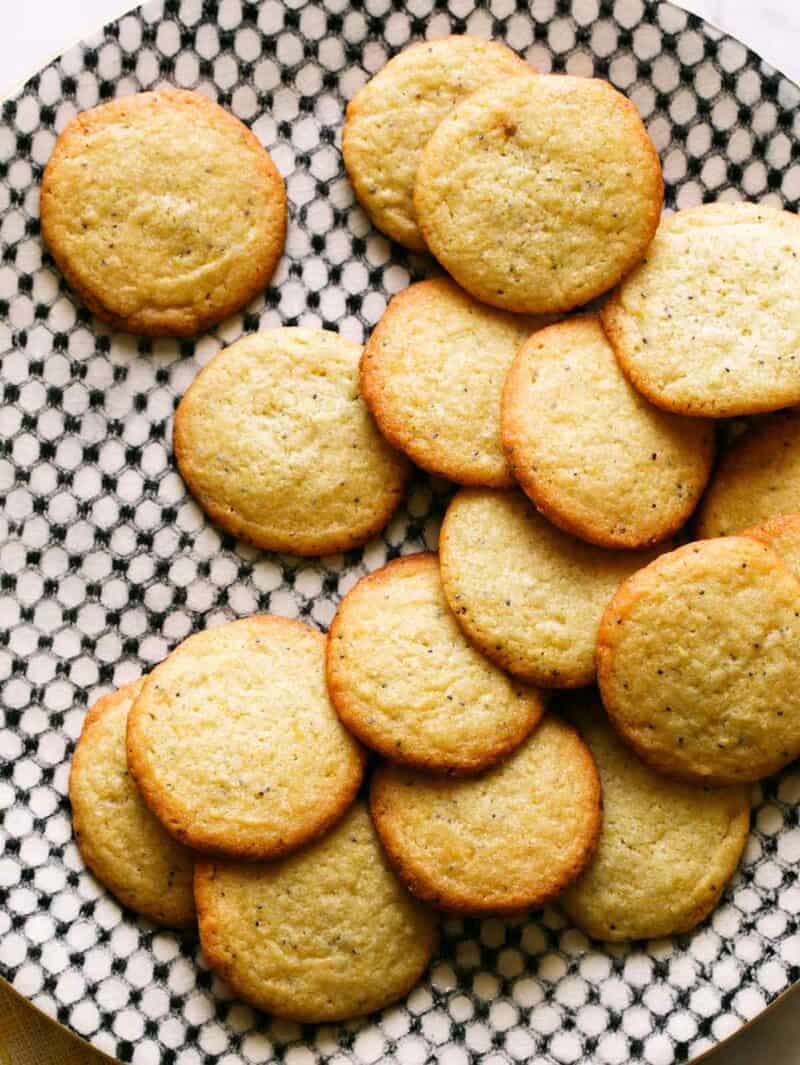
(174, 322)
(547, 502)
(351, 719)
(709, 891)
(561, 307)
(613, 319)
(614, 616)
(774, 529)
(755, 446)
(539, 678)
(213, 942)
(235, 848)
(409, 239)
(424, 887)
(163, 915)
(393, 428)
(302, 543)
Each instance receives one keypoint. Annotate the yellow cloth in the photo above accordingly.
(27, 1037)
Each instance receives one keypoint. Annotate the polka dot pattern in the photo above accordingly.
(106, 562)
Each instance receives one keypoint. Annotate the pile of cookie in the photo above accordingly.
(224, 786)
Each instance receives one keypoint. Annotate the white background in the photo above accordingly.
(32, 32)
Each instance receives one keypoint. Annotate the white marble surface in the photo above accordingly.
(770, 27)
(33, 31)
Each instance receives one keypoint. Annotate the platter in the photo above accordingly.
(106, 563)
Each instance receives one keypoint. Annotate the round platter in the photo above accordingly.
(107, 563)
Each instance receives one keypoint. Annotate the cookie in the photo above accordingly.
(323, 935)
(406, 681)
(666, 849)
(510, 838)
(782, 534)
(756, 479)
(527, 595)
(235, 745)
(278, 447)
(390, 120)
(697, 662)
(432, 374)
(163, 212)
(708, 324)
(120, 840)
(539, 193)
(597, 459)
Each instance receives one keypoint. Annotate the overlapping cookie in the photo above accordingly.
(407, 682)
(235, 745)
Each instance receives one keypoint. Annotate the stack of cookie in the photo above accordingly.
(224, 786)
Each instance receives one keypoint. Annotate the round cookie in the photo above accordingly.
(323, 935)
(757, 478)
(666, 849)
(432, 374)
(538, 194)
(526, 594)
(511, 838)
(782, 535)
(390, 120)
(709, 323)
(596, 458)
(697, 662)
(406, 681)
(235, 745)
(278, 447)
(120, 840)
(163, 211)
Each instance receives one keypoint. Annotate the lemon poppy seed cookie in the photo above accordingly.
(163, 211)
(709, 324)
(432, 374)
(697, 662)
(235, 745)
(391, 118)
(757, 478)
(322, 935)
(539, 193)
(782, 534)
(406, 681)
(666, 848)
(528, 595)
(512, 837)
(277, 445)
(121, 841)
(595, 457)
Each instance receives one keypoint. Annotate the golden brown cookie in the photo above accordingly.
(277, 445)
(538, 194)
(120, 840)
(666, 849)
(709, 323)
(432, 374)
(512, 837)
(235, 745)
(528, 595)
(323, 935)
(163, 211)
(756, 479)
(782, 534)
(407, 682)
(697, 662)
(390, 120)
(594, 456)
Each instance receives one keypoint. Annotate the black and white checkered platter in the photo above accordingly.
(106, 563)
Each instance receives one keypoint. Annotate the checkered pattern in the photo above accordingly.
(107, 563)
